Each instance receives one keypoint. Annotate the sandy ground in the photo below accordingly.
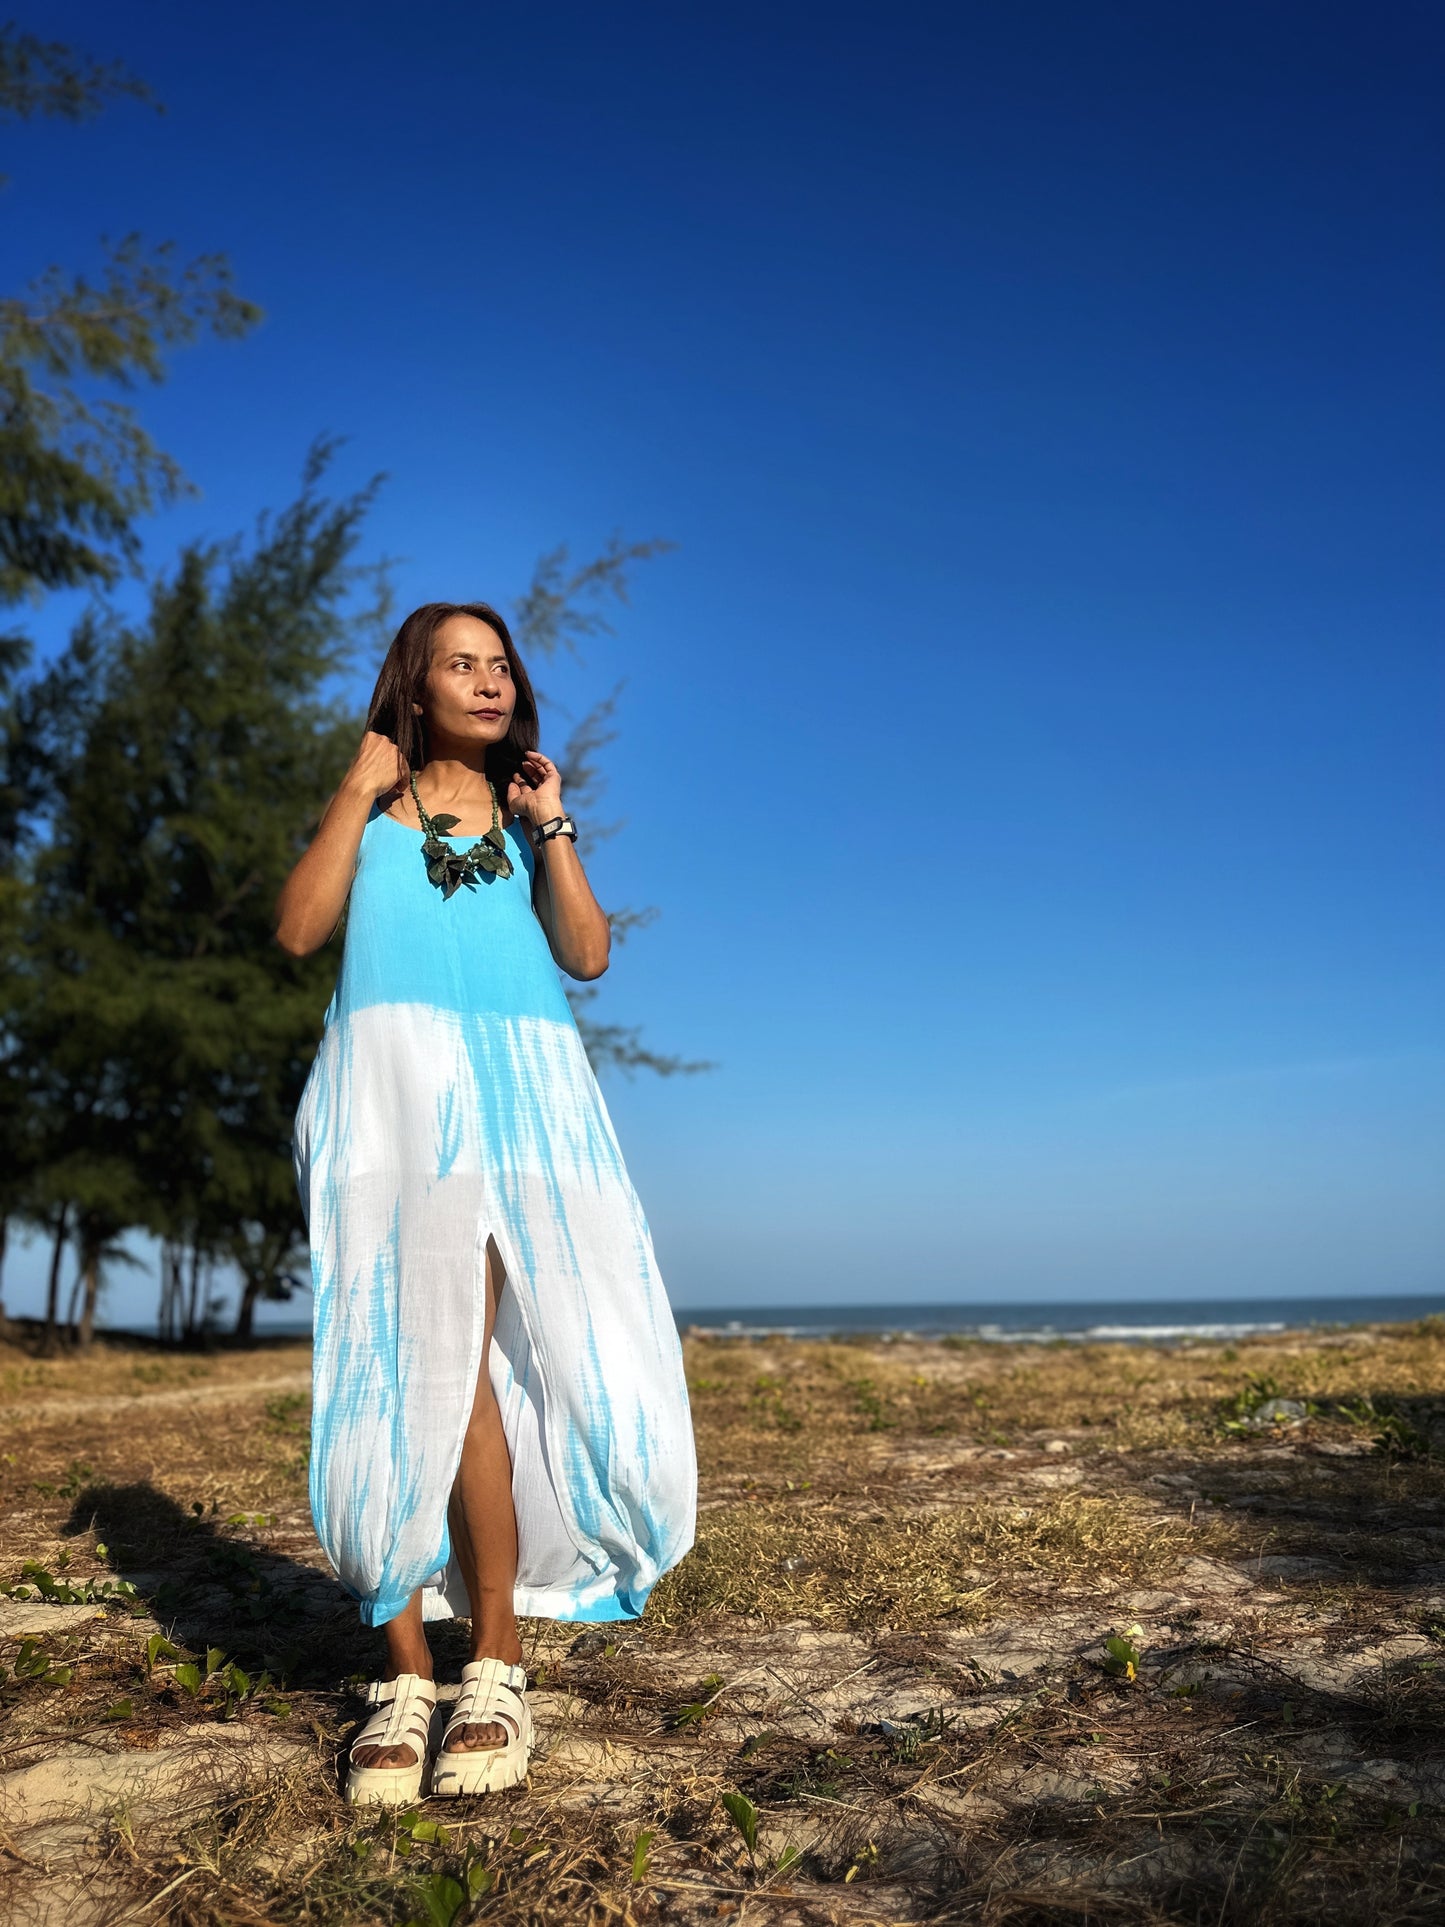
(892, 1642)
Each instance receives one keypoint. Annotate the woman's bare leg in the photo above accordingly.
(484, 1526)
(484, 1537)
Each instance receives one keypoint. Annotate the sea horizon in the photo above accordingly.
(1080, 1321)
(1141, 1321)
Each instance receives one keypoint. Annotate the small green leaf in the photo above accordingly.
(101, 1552)
(789, 1857)
(480, 1879)
(744, 1816)
(639, 1855)
(122, 1710)
(1123, 1657)
(159, 1647)
(188, 1676)
(215, 1660)
(443, 1899)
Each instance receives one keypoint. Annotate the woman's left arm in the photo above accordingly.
(578, 933)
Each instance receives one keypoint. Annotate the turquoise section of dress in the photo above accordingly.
(451, 1101)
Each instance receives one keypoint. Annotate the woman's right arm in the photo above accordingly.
(314, 895)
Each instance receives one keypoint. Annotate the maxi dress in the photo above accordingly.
(450, 1101)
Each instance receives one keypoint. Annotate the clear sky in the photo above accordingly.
(1032, 741)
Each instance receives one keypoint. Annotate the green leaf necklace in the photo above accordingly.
(449, 869)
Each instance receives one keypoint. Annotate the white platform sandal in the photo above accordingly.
(403, 1718)
(490, 1690)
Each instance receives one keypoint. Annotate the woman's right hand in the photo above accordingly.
(377, 769)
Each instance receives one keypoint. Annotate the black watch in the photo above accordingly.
(558, 826)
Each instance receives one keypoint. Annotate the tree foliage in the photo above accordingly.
(47, 77)
(562, 606)
(76, 465)
(159, 1036)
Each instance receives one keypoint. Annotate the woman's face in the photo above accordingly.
(469, 695)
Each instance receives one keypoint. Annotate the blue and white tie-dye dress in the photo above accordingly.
(451, 1100)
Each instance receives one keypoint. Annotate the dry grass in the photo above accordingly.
(885, 1571)
(889, 1638)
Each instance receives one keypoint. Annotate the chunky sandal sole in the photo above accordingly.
(485, 1769)
(384, 1786)
(489, 1691)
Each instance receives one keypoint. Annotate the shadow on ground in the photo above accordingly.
(207, 1585)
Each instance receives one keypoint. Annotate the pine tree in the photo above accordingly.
(162, 1037)
(77, 468)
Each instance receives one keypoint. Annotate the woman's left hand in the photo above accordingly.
(535, 792)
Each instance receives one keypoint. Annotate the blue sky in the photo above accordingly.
(1032, 740)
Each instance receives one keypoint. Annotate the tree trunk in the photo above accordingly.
(163, 1303)
(77, 1286)
(169, 1317)
(52, 1297)
(246, 1312)
(90, 1275)
(176, 1295)
(193, 1297)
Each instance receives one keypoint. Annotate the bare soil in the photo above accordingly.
(881, 1689)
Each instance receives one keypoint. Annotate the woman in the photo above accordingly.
(500, 1420)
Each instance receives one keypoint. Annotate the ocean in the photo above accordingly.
(1163, 1321)
(1154, 1322)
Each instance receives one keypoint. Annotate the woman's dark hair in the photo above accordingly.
(402, 682)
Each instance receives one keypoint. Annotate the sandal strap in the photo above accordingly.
(491, 1690)
(403, 1716)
